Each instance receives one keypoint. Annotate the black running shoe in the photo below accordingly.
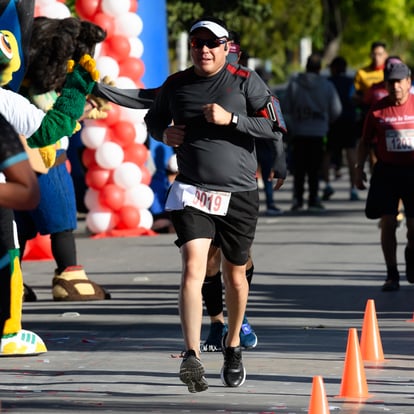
(390, 285)
(192, 372)
(233, 373)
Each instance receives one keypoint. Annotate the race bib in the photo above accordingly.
(211, 202)
(400, 140)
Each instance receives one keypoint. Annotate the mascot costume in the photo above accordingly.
(53, 43)
(40, 130)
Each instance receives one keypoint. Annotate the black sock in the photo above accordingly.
(63, 249)
(212, 291)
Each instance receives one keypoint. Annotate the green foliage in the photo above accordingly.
(272, 29)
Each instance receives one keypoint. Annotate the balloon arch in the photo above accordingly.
(118, 197)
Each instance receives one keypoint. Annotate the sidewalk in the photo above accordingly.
(313, 277)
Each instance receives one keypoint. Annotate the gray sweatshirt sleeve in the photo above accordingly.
(130, 98)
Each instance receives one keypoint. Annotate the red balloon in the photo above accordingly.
(97, 177)
(136, 153)
(118, 47)
(112, 196)
(132, 68)
(123, 133)
(88, 157)
(146, 175)
(113, 115)
(133, 6)
(129, 218)
(105, 22)
(86, 8)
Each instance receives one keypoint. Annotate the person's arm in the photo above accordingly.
(21, 190)
(130, 98)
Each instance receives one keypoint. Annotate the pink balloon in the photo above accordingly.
(112, 196)
(86, 8)
(136, 153)
(123, 133)
(118, 47)
(97, 177)
(129, 217)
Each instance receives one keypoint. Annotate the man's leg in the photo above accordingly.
(233, 373)
(389, 250)
(194, 261)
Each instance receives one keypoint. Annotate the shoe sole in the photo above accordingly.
(193, 377)
(249, 346)
(223, 380)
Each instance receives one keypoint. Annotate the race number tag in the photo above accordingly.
(211, 202)
(400, 140)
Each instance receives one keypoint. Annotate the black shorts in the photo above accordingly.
(388, 185)
(234, 232)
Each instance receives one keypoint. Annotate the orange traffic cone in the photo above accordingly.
(318, 403)
(354, 383)
(371, 345)
(38, 248)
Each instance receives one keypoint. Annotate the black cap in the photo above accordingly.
(396, 69)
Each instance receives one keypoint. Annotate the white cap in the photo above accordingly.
(215, 28)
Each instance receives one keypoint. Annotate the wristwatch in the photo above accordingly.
(234, 119)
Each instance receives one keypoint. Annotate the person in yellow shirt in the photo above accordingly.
(366, 76)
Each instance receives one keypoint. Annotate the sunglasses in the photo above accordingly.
(210, 43)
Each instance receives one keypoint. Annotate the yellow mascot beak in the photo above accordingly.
(9, 56)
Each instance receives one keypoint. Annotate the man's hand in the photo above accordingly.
(216, 114)
(174, 135)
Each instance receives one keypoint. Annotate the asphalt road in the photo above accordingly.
(314, 274)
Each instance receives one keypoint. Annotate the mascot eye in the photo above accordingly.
(5, 46)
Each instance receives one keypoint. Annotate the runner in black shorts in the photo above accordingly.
(390, 125)
(212, 114)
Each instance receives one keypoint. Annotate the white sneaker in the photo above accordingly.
(22, 343)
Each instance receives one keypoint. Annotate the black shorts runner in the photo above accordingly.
(235, 231)
(389, 184)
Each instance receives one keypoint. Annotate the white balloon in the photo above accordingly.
(115, 7)
(93, 136)
(128, 24)
(107, 66)
(91, 199)
(109, 155)
(127, 175)
(146, 219)
(43, 3)
(141, 133)
(140, 196)
(125, 83)
(137, 47)
(101, 220)
(55, 11)
(129, 114)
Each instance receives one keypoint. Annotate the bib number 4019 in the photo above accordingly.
(212, 202)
